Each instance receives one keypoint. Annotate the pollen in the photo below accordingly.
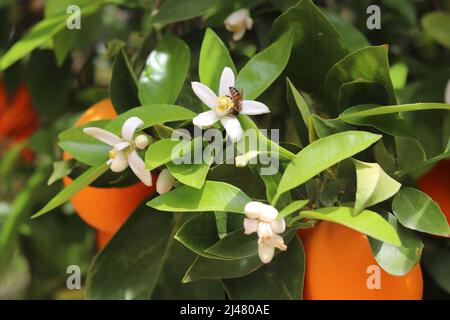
(224, 104)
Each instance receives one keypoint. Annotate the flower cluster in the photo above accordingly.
(262, 219)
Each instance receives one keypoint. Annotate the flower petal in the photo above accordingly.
(138, 167)
(278, 226)
(250, 226)
(205, 94)
(251, 107)
(264, 231)
(253, 209)
(277, 242)
(447, 93)
(119, 163)
(165, 181)
(226, 81)
(238, 35)
(122, 145)
(103, 135)
(129, 127)
(206, 119)
(265, 252)
(233, 127)
(249, 22)
(268, 213)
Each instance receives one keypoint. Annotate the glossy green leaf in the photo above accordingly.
(83, 147)
(369, 64)
(236, 245)
(437, 25)
(317, 45)
(198, 234)
(161, 152)
(398, 261)
(124, 86)
(322, 154)
(281, 279)
(165, 72)
(158, 262)
(193, 175)
(373, 185)
(213, 196)
(262, 69)
(174, 10)
(60, 169)
(367, 222)
(328, 127)
(213, 49)
(77, 185)
(416, 210)
(300, 112)
(293, 207)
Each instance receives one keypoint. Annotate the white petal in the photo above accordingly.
(278, 226)
(226, 81)
(103, 135)
(264, 231)
(129, 127)
(141, 141)
(277, 242)
(205, 94)
(122, 145)
(238, 35)
(119, 163)
(233, 127)
(138, 167)
(206, 119)
(250, 226)
(237, 16)
(268, 213)
(265, 252)
(165, 181)
(253, 209)
(447, 93)
(249, 22)
(251, 107)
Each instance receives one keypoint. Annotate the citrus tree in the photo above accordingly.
(225, 149)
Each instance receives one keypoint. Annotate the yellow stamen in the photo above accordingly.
(224, 103)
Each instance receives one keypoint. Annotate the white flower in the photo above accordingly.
(243, 160)
(447, 93)
(224, 107)
(165, 181)
(124, 151)
(261, 218)
(238, 22)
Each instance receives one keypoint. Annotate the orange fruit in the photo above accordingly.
(436, 183)
(103, 237)
(340, 266)
(106, 209)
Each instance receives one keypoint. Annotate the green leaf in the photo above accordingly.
(77, 185)
(373, 185)
(328, 127)
(174, 10)
(399, 75)
(165, 72)
(158, 263)
(293, 207)
(282, 279)
(436, 263)
(124, 86)
(198, 234)
(317, 45)
(236, 245)
(262, 69)
(437, 25)
(83, 147)
(60, 170)
(300, 112)
(213, 196)
(398, 261)
(357, 112)
(416, 210)
(322, 154)
(367, 222)
(161, 152)
(213, 49)
(193, 175)
(39, 34)
(369, 64)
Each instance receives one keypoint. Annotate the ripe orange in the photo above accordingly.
(436, 183)
(103, 237)
(18, 118)
(106, 209)
(337, 262)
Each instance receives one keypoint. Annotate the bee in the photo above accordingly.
(237, 101)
